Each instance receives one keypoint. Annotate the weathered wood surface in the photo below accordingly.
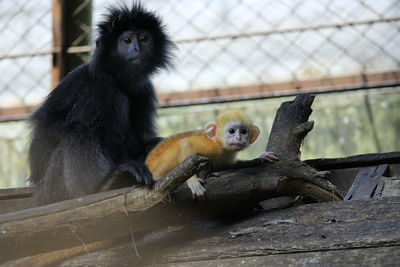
(362, 232)
(112, 214)
(12, 205)
(290, 127)
(375, 256)
(325, 226)
(344, 178)
(387, 187)
(366, 181)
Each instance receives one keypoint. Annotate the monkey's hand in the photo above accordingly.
(197, 189)
(138, 170)
(268, 156)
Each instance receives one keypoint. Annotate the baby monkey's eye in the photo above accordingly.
(243, 131)
(231, 131)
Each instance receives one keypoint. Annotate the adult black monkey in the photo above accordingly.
(95, 128)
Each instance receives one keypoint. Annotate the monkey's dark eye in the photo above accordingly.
(144, 38)
(127, 40)
(231, 131)
(243, 131)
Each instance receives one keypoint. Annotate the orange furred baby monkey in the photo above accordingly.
(219, 141)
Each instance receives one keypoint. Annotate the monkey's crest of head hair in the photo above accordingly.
(233, 115)
(121, 18)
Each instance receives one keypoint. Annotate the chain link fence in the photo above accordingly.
(226, 44)
(25, 42)
(222, 44)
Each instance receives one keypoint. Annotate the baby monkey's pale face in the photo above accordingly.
(237, 135)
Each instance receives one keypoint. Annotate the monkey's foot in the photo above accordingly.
(137, 170)
(197, 189)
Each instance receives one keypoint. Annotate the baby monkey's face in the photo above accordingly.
(236, 135)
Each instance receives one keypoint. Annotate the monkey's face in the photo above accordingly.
(135, 46)
(132, 41)
(236, 136)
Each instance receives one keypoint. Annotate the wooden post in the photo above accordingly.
(72, 22)
(57, 70)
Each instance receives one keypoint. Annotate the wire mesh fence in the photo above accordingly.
(226, 44)
(222, 44)
(25, 61)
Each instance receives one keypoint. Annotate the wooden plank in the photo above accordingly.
(12, 205)
(218, 95)
(355, 161)
(365, 182)
(13, 193)
(314, 227)
(14, 199)
(16, 113)
(395, 170)
(375, 256)
(384, 256)
(57, 70)
(343, 178)
(388, 187)
(360, 232)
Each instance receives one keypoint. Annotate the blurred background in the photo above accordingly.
(249, 54)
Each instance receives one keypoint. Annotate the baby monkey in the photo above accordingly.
(220, 141)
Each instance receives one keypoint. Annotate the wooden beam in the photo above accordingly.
(314, 86)
(16, 113)
(365, 182)
(13, 193)
(66, 31)
(362, 160)
(57, 70)
(199, 97)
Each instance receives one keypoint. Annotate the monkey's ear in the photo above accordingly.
(211, 130)
(255, 132)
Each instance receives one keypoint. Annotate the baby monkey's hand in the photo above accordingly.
(268, 156)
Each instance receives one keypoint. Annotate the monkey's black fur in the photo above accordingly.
(95, 128)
